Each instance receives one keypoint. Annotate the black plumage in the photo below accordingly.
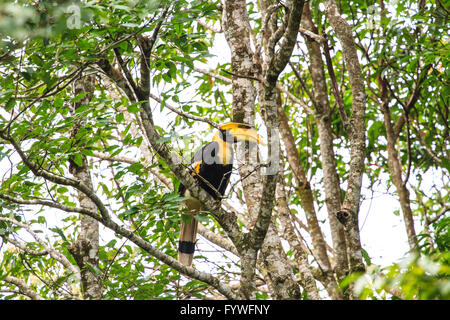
(210, 169)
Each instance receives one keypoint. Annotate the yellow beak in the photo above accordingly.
(244, 134)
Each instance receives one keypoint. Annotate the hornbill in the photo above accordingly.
(211, 166)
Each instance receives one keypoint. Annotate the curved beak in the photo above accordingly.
(244, 134)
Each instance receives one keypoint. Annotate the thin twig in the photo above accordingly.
(242, 75)
(335, 88)
(183, 114)
(302, 83)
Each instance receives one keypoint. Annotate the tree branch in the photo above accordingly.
(183, 114)
(331, 183)
(146, 46)
(307, 279)
(357, 136)
(336, 92)
(51, 251)
(23, 288)
(280, 59)
(40, 172)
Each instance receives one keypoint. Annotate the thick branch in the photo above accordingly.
(281, 58)
(85, 249)
(331, 181)
(396, 175)
(303, 189)
(146, 45)
(237, 33)
(307, 279)
(23, 288)
(357, 136)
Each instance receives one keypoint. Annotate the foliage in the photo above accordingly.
(414, 278)
(419, 276)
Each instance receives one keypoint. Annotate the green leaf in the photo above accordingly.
(366, 257)
(133, 108)
(111, 243)
(186, 218)
(10, 104)
(60, 232)
(78, 97)
(120, 117)
(41, 219)
(201, 218)
(87, 152)
(136, 168)
(94, 269)
(62, 189)
(77, 158)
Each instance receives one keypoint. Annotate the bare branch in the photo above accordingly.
(24, 248)
(336, 92)
(217, 239)
(46, 203)
(357, 135)
(308, 33)
(183, 114)
(296, 100)
(107, 157)
(242, 75)
(280, 59)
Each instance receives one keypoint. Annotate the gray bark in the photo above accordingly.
(323, 119)
(85, 248)
(348, 215)
(259, 190)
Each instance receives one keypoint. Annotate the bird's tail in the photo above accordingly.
(186, 244)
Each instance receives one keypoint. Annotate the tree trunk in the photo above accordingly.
(395, 168)
(323, 119)
(305, 194)
(259, 190)
(306, 277)
(348, 215)
(85, 248)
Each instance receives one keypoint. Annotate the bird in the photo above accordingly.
(211, 166)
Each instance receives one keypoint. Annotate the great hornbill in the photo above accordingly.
(211, 166)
